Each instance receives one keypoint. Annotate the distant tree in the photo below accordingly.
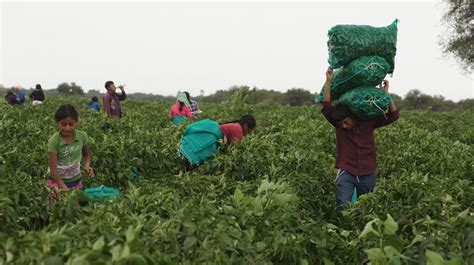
(297, 97)
(466, 104)
(222, 95)
(262, 95)
(66, 89)
(460, 41)
(439, 103)
(414, 99)
(93, 92)
(398, 100)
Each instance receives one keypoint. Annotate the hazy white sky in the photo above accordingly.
(163, 47)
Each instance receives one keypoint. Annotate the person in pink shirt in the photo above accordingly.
(236, 130)
(180, 111)
(201, 140)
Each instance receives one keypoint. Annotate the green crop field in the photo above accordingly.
(267, 200)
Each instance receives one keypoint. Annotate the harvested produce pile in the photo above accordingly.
(361, 56)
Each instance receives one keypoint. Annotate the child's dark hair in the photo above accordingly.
(246, 119)
(94, 99)
(340, 112)
(66, 111)
(108, 83)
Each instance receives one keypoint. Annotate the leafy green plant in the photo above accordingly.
(267, 200)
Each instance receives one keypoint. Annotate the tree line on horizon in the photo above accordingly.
(414, 99)
(458, 43)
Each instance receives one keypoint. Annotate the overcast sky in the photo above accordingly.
(163, 47)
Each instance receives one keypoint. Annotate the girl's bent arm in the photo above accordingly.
(86, 158)
(327, 85)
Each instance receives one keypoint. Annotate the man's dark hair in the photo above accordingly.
(340, 112)
(108, 83)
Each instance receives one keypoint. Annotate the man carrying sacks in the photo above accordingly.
(355, 144)
(363, 55)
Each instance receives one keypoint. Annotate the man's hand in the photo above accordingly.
(329, 75)
(384, 86)
(327, 86)
(89, 171)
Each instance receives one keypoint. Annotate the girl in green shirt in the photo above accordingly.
(66, 149)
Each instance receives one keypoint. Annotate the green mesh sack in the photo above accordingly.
(349, 42)
(102, 194)
(364, 71)
(367, 102)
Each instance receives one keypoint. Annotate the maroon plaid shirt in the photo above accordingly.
(355, 148)
(112, 103)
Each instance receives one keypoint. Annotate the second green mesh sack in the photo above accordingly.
(367, 102)
(349, 42)
(364, 71)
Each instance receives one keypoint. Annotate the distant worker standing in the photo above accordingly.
(37, 96)
(193, 105)
(94, 104)
(112, 100)
(10, 98)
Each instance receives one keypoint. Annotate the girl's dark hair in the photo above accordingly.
(340, 112)
(246, 119)
(66, 111)
(38, 86)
